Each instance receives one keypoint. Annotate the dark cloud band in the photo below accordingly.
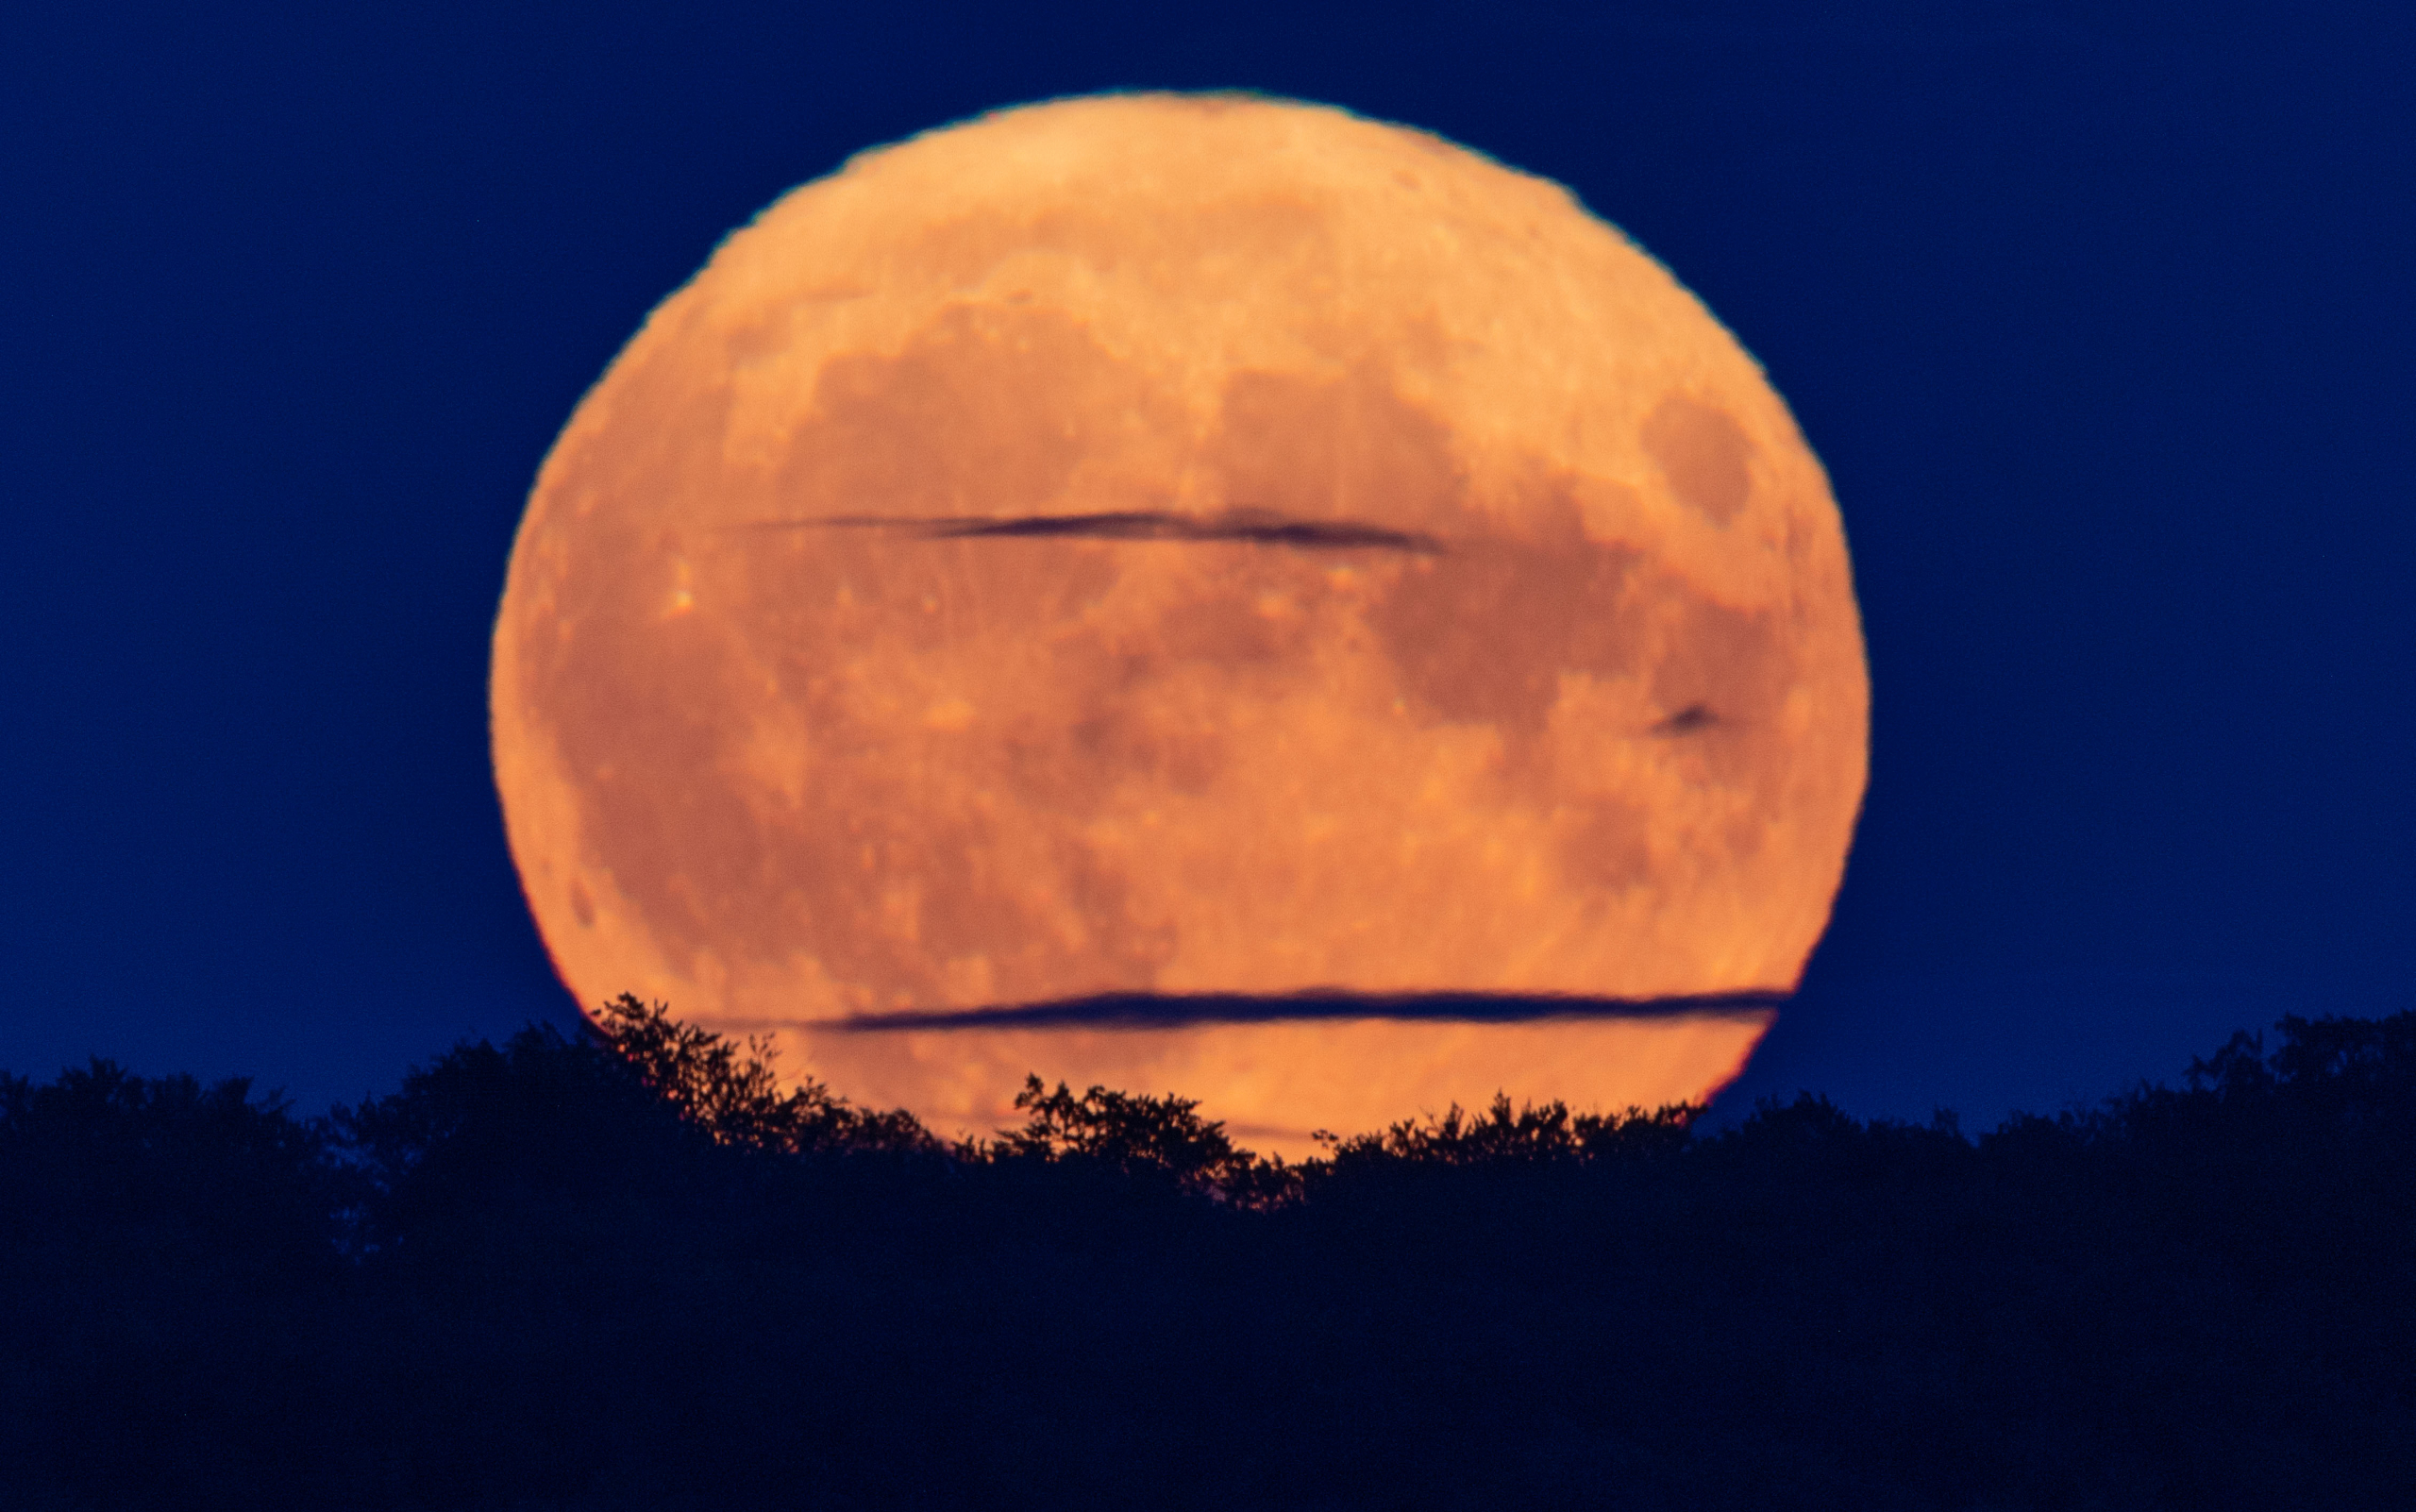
(1249, 527)
(1136, 1010)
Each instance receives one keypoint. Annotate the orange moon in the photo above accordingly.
(1185, 544)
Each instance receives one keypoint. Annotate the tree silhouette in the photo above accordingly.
(1531, 1133)
(632, 1269)
(736, 1097)
(169, 1272)
(1160, 1139)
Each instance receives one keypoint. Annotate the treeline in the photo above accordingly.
(632, 1270)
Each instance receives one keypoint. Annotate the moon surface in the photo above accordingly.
(1161, 545)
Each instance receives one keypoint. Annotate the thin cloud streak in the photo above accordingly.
(1249, 527)
(1142, 1010)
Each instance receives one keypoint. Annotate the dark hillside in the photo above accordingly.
(634, 1273)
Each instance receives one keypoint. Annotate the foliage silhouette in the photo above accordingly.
(1532, 1134)
(736, 1097)
(632, 1269)
(154, 1234)
(1142, 1139)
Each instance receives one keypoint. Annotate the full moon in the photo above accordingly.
(1169, 545)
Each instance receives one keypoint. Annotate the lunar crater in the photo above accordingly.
(1687, 721)
(1702, 453)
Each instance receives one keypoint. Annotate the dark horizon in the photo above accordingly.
(629, 1273)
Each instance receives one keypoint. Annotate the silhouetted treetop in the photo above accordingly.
(101, 1144)
(1154, 1138)
(1529, 1133)
(734, 1093)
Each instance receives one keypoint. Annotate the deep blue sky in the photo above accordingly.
(2099, 315)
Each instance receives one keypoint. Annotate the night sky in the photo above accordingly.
(2097, 316)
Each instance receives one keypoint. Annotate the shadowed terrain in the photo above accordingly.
(634, 1270)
